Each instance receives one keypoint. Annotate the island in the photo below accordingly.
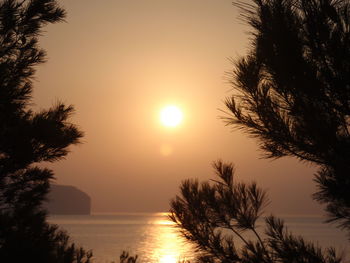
(67, 200)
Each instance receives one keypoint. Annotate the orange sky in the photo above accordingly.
(118, 62)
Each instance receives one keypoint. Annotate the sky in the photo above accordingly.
(119, 62)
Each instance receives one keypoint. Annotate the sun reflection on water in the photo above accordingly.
(168, 259)
(164, 222)
(166, 243)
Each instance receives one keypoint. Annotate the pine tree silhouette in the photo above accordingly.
(294, 90)
(28, 138)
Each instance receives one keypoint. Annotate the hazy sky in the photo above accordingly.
(119, 62)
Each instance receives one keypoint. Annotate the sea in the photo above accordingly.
(154, 238)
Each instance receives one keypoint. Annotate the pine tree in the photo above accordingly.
(293, 90)
(28, 138)
(218, 217)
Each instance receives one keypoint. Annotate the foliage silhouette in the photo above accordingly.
(214, 215)
(125, 257)
(292, 90)
(28, 138)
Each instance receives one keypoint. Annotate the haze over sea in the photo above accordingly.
(155, 239)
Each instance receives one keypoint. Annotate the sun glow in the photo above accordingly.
(171, 116)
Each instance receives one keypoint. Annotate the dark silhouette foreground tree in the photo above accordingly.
(28, 138)
(125, 257)
(216, 216)
(292, 90)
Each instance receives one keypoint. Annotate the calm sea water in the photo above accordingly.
(155, 239)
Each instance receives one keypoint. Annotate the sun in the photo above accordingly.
(171, 116)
